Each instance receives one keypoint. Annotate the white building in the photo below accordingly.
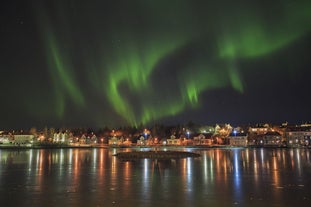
(23, 138)
(238, 139)
(298, 136)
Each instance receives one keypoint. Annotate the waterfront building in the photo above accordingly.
(238, 139)
(173, 141)
(5, 139)
(256, 133)
(60, 137)
(272, 138)
(23, 138)
(93, 138)
(201, 139)
(141, 141)
(82, 139)
(297, 136)
(113, 141)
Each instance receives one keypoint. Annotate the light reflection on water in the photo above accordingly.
(94, 177)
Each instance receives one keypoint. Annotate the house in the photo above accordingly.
(5, 139)
(141, 141)
(272, 138)
(173, 141)
(202, 139)
(297, 136)
(238, 139)
(256, 132)
(23, 138)
(113, 141)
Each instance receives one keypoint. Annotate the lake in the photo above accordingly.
(94, 177)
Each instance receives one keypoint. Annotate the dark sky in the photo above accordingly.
(110, 63)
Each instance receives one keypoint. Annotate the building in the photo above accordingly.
(256, 133)
(173, 141)
(201, 139)
(298, 136)
(114, 141)
(5, 139)
(141, 141)
(23, 138)
(238, 139)
(272, 138)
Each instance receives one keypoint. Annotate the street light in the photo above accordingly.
(234, 132)
(188, 133)
(145, 133)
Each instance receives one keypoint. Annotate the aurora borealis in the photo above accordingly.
(97, 63)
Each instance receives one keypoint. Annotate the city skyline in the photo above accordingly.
(125, 63)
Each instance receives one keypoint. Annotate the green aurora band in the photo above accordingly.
(63, 78)
(127, 64)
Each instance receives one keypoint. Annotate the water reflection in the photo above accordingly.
(84, 177)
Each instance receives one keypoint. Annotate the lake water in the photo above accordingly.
(94, 177)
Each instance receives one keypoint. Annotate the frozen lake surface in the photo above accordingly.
(94, 177)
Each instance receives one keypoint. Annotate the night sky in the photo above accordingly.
(125, 62)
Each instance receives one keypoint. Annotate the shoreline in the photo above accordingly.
(91, 146)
